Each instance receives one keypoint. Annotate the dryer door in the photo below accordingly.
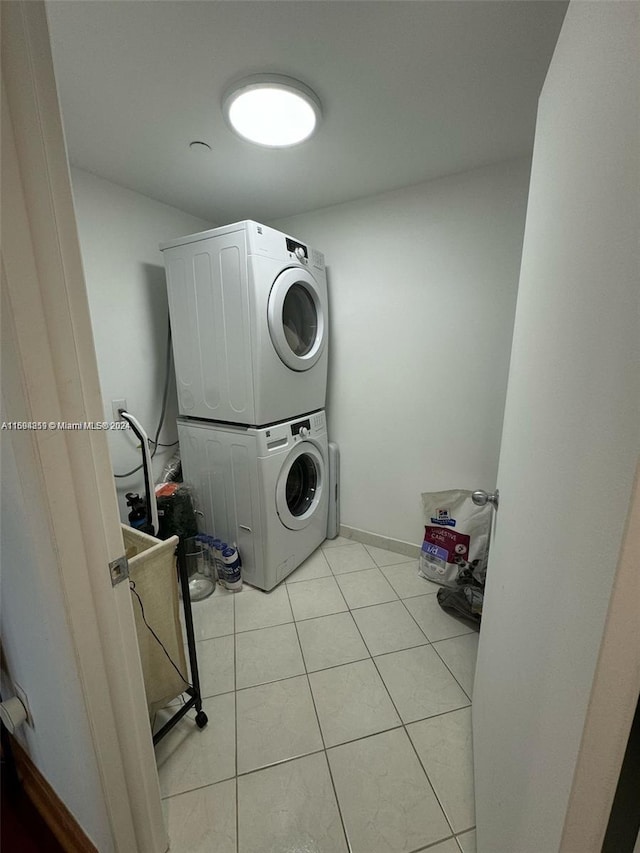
(300, 486)
(296, 317)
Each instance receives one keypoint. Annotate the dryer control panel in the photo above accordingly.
(298, 249)
(266, 241)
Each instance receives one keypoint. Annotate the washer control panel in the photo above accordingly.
(283, 436)
(313, 425)
(301, 428)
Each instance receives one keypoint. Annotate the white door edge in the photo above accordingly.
(612, 704)
(45, 288)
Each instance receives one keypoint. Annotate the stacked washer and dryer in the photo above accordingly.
(249, 317)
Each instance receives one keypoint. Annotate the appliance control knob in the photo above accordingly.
(299, 252)
(304, 432)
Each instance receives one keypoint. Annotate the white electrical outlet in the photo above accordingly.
(22, 696)
(115, 406)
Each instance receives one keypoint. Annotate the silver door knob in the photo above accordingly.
(480, 498)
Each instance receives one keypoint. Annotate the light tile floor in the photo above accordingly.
(339, 716)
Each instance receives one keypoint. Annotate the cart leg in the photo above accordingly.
(191, 640)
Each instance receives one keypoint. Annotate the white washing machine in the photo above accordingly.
(249, 322)
(264, 489)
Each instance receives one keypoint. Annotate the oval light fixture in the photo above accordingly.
(272, 110)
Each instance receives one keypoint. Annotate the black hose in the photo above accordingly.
(165, 394)
(147, 478)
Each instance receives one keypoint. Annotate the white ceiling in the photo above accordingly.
(410, 91)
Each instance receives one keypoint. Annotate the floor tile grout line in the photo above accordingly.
(280, 762)
(346, 663)
(327, 749)
(470, 698)
(431, 643)
(404, 727)
(324, 746)
(380, 605)
(394, 651)
(235, 706)
(365, 737)
(441, 640)
(464, 832)
(264, 627)
(323, 750)
(198, 788)
(415, 620)
(397, 598)
(370, 654)
(403, 649)
(337, 666)
(333, 613)
(333, 666)
(361, 607)
(435, 844)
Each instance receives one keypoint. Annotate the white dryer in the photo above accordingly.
(264, 489)
(249, 320)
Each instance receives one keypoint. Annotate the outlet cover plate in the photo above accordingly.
(115, 406)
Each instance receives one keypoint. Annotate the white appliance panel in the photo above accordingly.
(237, 295)
(236, 471)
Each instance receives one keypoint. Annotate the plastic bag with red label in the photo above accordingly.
(456, 537)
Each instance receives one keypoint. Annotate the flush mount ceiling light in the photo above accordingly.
(272, 110)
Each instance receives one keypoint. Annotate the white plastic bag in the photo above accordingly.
(456, 536)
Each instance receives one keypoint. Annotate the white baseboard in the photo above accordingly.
(398, 546)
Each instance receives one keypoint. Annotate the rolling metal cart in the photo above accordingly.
(151, 528)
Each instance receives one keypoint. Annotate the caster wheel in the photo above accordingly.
(201, 719)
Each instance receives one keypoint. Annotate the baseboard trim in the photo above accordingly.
(398, 546)
(53, 811)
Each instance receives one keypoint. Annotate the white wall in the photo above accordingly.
(571, 438)
(119, 235)
(422, 288)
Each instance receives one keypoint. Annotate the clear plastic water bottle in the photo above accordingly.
(219, 547)
(232, 564)
(211, 555)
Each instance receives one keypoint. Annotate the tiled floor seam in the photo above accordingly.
(449, 668)
(434, 844)
(404, 727)
(265, 627)
(354, 571)
(280, 762)
(414, 618)
(464, 832)
(328, 749)
(235, 692)
(324, 745)
(200, 787)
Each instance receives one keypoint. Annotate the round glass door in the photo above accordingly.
(299, 486)
(300, 320)
(296, 319)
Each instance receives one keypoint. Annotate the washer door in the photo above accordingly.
(300, 486)
(296, 319)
